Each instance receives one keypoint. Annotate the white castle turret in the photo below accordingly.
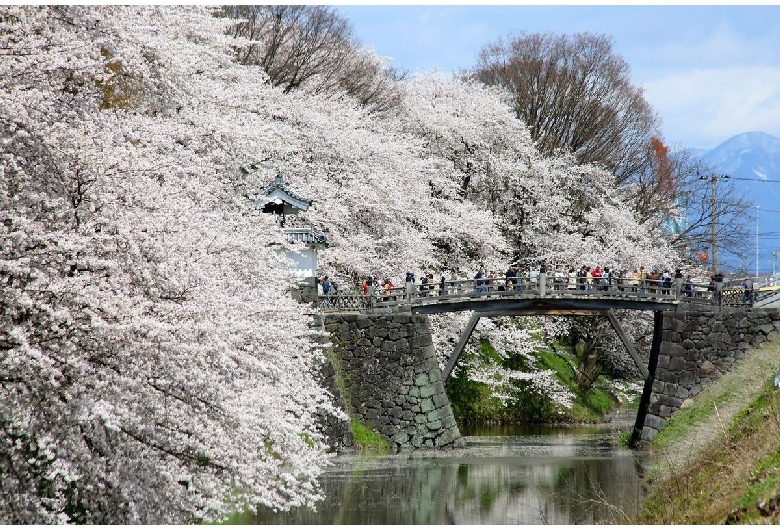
(280, 200)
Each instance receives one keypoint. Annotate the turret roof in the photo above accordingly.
(280, 190)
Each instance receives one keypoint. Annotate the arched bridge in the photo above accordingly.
(546, 295)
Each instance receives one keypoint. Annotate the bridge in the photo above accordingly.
(546, 296)
(378, 331)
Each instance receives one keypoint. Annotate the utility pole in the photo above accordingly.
(757, 212)
(714, 221)
(714, 224)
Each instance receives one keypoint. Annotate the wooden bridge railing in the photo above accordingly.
(543, 285)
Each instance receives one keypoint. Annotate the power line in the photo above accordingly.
(754, 179)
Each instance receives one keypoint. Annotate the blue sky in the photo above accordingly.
(710, 72)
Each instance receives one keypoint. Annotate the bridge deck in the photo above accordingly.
(535, 303)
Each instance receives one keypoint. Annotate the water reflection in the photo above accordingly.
(505, 475)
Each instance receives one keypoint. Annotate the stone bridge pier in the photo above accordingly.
(390, 379)
(697, 348)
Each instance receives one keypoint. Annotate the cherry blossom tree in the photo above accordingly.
(550, 208)
(373, 185)
(153, 367)
(510, 340)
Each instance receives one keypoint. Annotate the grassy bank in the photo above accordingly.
(718, 460)
(366, 440)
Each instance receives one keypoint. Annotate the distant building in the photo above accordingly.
(280, 200)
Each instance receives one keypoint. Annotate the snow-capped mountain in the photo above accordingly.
(747, 155)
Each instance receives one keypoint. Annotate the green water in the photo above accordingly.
(504, 475)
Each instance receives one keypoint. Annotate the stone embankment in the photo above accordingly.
(390, 379)
(698, 348)
(336, 429)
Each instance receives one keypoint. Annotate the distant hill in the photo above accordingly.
(756, 156)
(747, 155)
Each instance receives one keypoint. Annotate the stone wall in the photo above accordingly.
(337, 430)
(391, 379)
(698, 348)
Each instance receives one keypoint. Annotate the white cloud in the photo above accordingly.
(702, 108)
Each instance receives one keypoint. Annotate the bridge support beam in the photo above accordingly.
(472, 324)
(464, 338)
(627, 343)
(644, 403)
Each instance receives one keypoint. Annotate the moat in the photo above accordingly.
(504, 475)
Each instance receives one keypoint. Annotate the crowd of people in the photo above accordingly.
(585, 278)
(326, 286)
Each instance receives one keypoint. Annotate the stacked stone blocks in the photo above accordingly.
(698, 348)
(337, 430)
(391, 378)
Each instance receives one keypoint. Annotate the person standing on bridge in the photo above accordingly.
(652, 281)
(620, 279)
(533, 278)
(387, 289)
(635, 280)
(572, 285)
(689, 287)
(424, 285)
(367, 283)
(453, 281)
(479, 283)
(666, 281)
(642, 279)
(326, 288)
(747, 296)
(596, 274)
(501, 283)
(606, 278)
(560, 278)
